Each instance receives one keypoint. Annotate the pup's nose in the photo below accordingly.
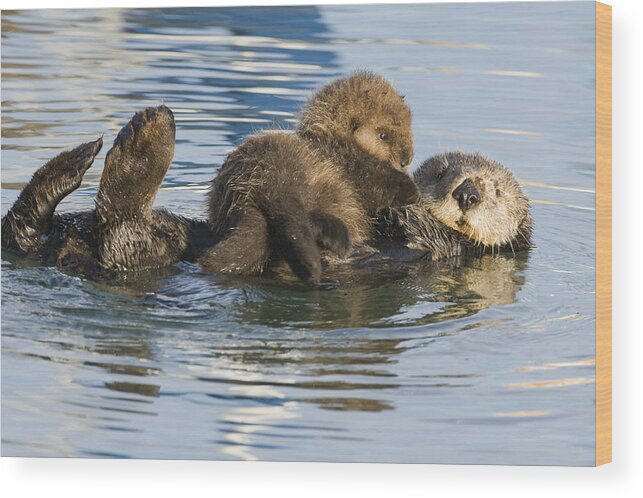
(467, 195)
(406, 158)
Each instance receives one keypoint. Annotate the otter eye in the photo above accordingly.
(439, 176)
(383, 136)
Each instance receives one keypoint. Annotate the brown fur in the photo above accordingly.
(439, 227)
(285, 195)
(123, 232)
(356, 110)
(31, 217)
(237, 183)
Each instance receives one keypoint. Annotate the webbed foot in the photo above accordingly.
(136, 165)
(30, 218)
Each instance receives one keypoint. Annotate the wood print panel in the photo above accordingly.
(603, 234)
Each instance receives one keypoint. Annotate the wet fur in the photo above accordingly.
(122, 232)
(438, 228)
(32, 215)
(284, 196)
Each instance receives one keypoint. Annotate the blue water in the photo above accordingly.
(488, 363)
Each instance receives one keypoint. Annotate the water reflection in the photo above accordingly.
(262, 379)
(339, 371)
(413, 294)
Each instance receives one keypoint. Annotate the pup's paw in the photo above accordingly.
(331, 233)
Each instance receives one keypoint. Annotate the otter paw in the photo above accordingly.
(406, 191)
(296, 244)
(331, 233)
(389, 222)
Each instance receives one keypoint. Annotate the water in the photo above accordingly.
(488, 363)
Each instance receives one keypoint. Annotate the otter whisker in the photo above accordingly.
(525, 237)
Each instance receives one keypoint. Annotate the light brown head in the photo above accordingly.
(366, 110)
(476, 196)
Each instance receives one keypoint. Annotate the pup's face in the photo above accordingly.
(475, 196)
(365, 110)
(386, 135)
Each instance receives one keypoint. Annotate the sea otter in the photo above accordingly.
(469, 205)
(123, 232)
(285, 195)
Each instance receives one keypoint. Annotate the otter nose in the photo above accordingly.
(405, 159)
(467, 195)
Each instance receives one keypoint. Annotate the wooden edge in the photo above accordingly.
(603, 234)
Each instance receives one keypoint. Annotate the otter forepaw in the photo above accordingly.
(331, 233)
(406, 191)
(389, 222)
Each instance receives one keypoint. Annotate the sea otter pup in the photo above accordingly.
(122, 232)
(283, 196)
(469, 205)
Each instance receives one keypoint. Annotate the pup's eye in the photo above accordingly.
(383, 136)
(439, 176)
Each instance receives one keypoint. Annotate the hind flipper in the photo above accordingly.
(136, 165)
(30, 217)
(129, 235)
(244, 251)
(255, 242)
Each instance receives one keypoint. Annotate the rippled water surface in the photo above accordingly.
(492, 362)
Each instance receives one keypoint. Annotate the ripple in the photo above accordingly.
(547, 384)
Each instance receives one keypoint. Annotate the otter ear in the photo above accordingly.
(402, 97)
(366, 94)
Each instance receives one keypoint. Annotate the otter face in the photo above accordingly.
(386, 139)
(366, 111)
(476, 197)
